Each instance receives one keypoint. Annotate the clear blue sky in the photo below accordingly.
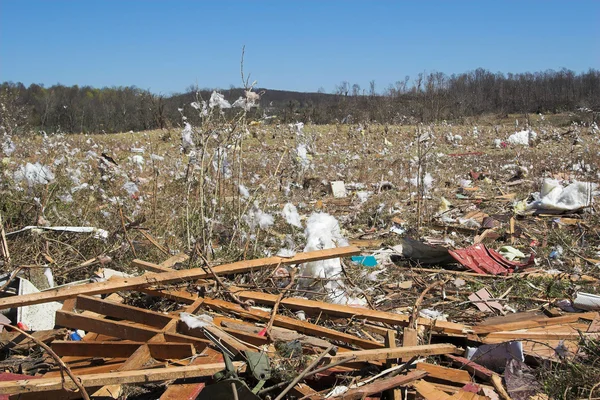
(165, 46)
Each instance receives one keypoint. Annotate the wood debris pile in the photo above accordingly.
(229, 346)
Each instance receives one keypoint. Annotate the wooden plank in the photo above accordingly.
(117, 284)
(318, 307)
(111, 378)
(381, 385)
(533, 323)
(122, 330)
(99, 325)
(248, 331)
(291, 323)
(390, 341)
(150, 267)
(428, 391)
(595, 325)
(398, 352)
(122, 311)
(18, 341)
(160, 351)
(463, 395)
(444, 373)
(174, 260)
(499, 337)
(471, 366)
(410, 337)
(190, 391)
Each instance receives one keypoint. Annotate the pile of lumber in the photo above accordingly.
(390, 356)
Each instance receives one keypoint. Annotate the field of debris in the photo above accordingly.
(248, 260)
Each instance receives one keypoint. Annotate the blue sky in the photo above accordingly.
(166, 46)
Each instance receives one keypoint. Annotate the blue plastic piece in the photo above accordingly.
(367, 261)
(75, 336)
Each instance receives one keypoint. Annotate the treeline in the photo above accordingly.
(428, 97)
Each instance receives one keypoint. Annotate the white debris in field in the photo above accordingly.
(303, 156)
(337, 391)
(49, 276)
(137, 150)
(244, 192)
(187, 142)
(196, 321)
(363, 195)
(257, 218)
(373, 276)
(427, 182)
(221, 161)
(323, 232)
(497, 143)
(286, 253)
(248, 102)
(34, 174)
(298, 127)
(290, 213)
(156, 157)
(203, 108)
(454, 139)
(218, 100)
(459, 282)
(98, 233)
(524, 137)
(131, 188)
(8, 146)
(553, 196)
(138, 160)
(433, 314)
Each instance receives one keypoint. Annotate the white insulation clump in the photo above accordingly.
(196, 321)
(553, 196)
(34, 174)
(323, 232)
(290, 213)
(523, 137)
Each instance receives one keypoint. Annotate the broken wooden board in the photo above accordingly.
(396, 352)
(533, 323)
(318, 307)
(381, 385)
(112, 378)
(445, 373)
(117, 284)
(121, 349)
(428, 391)
(291, 323)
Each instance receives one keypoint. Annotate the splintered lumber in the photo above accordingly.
(150, 267)
(118, 329)
(381, 385)
(444, 373)
(122, 311)
(533, 323)
(117, 284)
(159, 351)
(112, 378)
(316, 307)
(429, 392)
(17, 341)
(396, 352)
(245, 330)
(291, 323)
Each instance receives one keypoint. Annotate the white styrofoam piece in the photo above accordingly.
(37, 317)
